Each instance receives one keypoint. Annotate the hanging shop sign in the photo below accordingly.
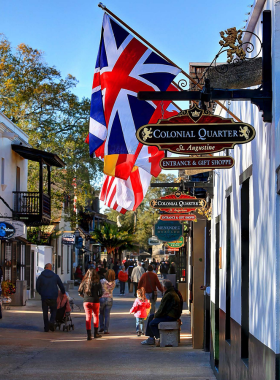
(19, 227)
(68, 239)
(168, 231)
(178, 217)
(218, 162)
(178, 202)
(195, 131)
(176, 244)
(153, 241)
(7, 230)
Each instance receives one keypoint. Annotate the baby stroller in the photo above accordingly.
(63, 316)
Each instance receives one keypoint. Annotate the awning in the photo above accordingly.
(38, 155)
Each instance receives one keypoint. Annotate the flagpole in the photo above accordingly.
(102, 6)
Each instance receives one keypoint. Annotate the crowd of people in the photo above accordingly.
(96, 289)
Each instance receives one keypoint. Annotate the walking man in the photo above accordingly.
(46, 286)
(150, 282)
(136, 275)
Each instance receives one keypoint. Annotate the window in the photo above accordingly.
(3, 171)
(217, 294)
(61, 262)
(245, 204)
(68, 259)
(18, 179)
(228, 269)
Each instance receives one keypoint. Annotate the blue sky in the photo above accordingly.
(69, 31)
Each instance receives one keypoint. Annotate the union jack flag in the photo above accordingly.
(124, 67)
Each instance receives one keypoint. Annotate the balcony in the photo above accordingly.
(32, 207)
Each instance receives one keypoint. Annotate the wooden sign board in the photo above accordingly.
(178, 202)
(195, 131)
(222, 162)
(178, 217)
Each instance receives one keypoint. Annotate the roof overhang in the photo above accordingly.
(38, 155)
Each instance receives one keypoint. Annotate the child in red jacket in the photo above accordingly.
(139, 309)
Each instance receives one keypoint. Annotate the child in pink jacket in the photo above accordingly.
(139, 309)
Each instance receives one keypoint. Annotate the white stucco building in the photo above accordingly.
(245, 240)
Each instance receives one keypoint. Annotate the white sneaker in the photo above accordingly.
(149, 342)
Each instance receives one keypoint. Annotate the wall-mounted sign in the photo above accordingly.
(222, 162)
(194, 131)
(178, 217)
(68, 239)
(154, 241)
(176, 244)
(168, 231)
(7, 230)
(19, 227)
(178, 202)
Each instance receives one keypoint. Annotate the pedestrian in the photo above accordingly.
(123, 277)
(139, 309)
(136, 275)
(164, 269)
(91, 290)
(168, 311)
(1, 279)
(150, 282)
(106, 301)
(46, 286)
(172, 269)
(129, 272)
(79, 273)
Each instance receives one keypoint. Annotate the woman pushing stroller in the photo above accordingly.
(91, 290)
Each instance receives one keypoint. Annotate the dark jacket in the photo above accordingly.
(170, 305)
(94, 295)
(47, 283)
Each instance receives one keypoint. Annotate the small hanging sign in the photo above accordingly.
(217, 162)
(195, 131)
(178, 217)
(178, 202)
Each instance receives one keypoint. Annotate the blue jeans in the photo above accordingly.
(152, 325)
(140, 325)
(104, 312)
(46, 304)
(122, 287)
(153, 301)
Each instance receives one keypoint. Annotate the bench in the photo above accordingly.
(169, 333)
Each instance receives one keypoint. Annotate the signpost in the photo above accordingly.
(68, 239)
(7, 230)
(178, 202)
(153, 241)
(178, 217)
(19, 227)
(222, 162)
(176, 244)
(195, 131)
(168, 231)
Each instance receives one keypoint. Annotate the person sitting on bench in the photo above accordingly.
(168, 311)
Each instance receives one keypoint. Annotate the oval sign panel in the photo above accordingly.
(7, 231)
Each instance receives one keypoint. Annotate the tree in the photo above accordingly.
(42, 103)
(145, 216)
(111, 237)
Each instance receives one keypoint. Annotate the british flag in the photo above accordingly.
(124, 67)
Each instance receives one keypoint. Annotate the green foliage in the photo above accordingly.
(145, 216)
(36, 98)
(111, 237)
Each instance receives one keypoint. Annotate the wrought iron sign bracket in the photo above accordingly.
(261, 97)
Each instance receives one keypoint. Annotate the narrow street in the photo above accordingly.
(27, 352)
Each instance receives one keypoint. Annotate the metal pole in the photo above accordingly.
(161, 54)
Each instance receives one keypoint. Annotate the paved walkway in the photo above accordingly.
(27, 352)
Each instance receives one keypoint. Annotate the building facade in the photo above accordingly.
(245, 239)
